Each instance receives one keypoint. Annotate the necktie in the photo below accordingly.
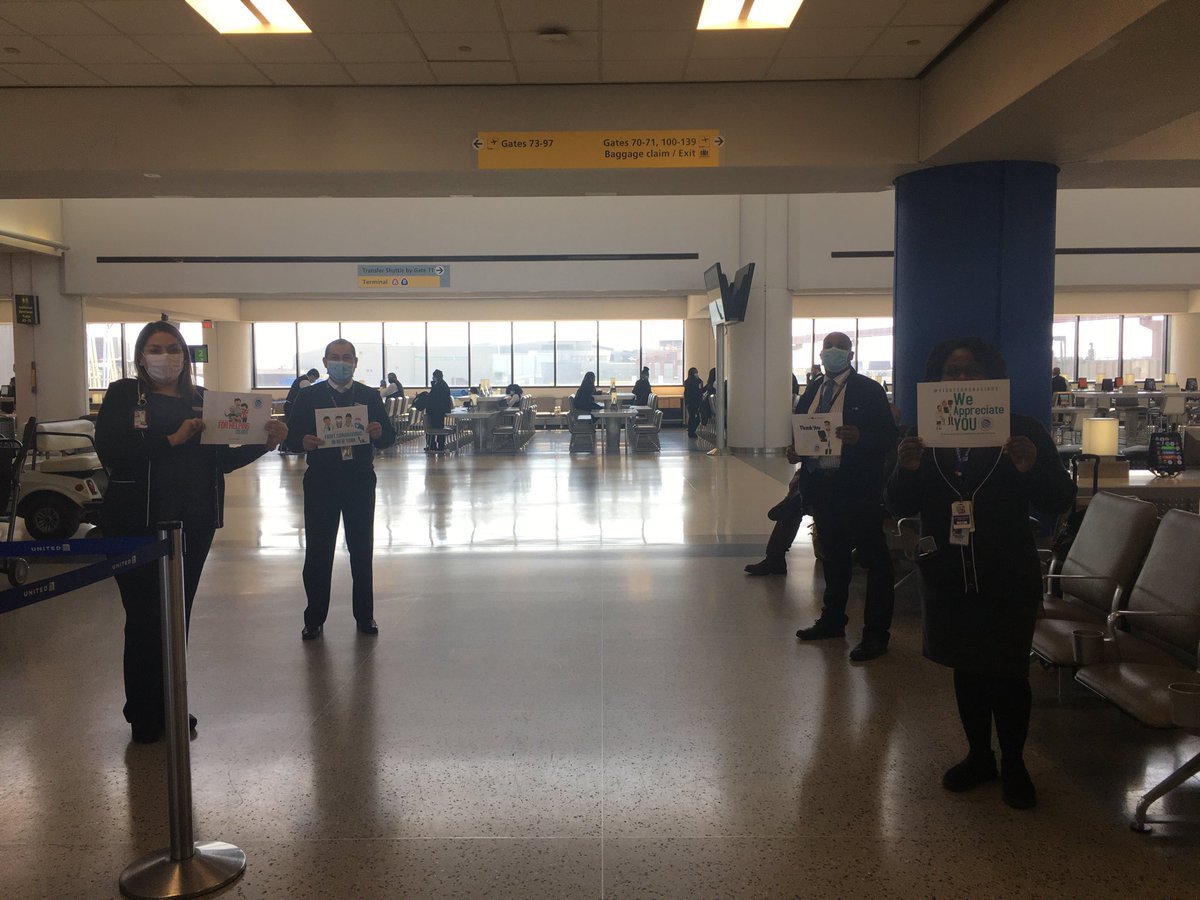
(827, 396)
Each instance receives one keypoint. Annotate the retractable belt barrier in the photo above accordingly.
(123, 554)
(188, 867)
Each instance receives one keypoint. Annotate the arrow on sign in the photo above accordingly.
(719, 141)
(439, 270)
(477, 144)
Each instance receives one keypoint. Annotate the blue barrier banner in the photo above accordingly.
(81, 547)
(28, 594)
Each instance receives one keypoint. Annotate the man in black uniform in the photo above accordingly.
(846, 497)
(338, 484)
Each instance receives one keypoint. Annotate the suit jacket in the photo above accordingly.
(865, 405)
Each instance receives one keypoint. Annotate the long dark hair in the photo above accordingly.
(186, 384)
(588, 383)
(985, 354)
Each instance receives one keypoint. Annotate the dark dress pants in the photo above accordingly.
(140, 595)
(436, 420)
(693, 420)
(845, 524)
(984, 698)
(347, 496)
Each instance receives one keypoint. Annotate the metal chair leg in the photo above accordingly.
(1172, 781)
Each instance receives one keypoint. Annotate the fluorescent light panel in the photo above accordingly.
(250, 16)
(728, 14)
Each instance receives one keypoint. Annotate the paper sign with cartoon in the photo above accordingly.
(342, 426)
(235, 418)
(813, 434)
(963, 413)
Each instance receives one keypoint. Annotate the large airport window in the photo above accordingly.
(404, 352)
(274, 354)
(447, 343)
(662, 350)
(802, 348)
(105, 354)
(491, 353)
(1144, 346)
(367, 338)
(574, 350)
(873, 348)
(311, 340)
(1099, 347)
(620, 352)
(1064, 337)
(533, 353)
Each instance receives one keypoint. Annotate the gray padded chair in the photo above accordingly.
(1161, 646)
(582, 428)
(645, 437)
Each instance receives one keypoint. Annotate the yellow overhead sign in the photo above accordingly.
(666, 149)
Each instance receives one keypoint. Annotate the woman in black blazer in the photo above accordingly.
(584, 400)
(982, 593)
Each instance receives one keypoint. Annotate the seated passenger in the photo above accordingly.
(584, 400)
(642, 389)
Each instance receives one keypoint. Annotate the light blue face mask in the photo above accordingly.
(341, 372)
(835, 359)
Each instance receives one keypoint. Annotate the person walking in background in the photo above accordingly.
(438, 405)
(982, 585)
(693, 397)
(148, 438)
(846, 497)
(642, 389)
(339, 486)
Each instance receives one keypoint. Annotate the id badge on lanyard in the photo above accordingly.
(140, 421)
(962, 522)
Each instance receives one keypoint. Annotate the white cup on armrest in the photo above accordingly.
(1185, 704)
(1087, 646)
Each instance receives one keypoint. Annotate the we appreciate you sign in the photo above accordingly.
(963, 413)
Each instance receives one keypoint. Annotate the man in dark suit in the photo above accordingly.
(845, 495)
(339, 486)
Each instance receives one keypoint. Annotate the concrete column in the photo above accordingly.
(51, 358)
(975, 257)
(231, 357)
(760, 349)
(698, 348)
(1184, 350)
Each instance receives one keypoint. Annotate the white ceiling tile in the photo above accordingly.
(190, 48)
(828, 42)
(99, 48)
(151, 75)
(558, 71)
(54, 76)
(473, 72)
(281, 48)
(205, 73)
(451, 15)
(390, 73)
(580, 45)
(899, 41)
(889, 66)
(642, 71)
(481, 46)
(150, 17)
(809, 68)
(54, 17)
(303, 73)
(846, 13)
(646, 44)
(747, 44)
(7, 79)
(344, 16)
(534, 15)
(31, 50)
(940, 12)
(374, 48)
(726, 69)
(649, 15)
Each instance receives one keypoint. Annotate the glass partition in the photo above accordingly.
(662, 350)
(447, 343)
(367, 338)
(533, 353)
(619, 352)
(404, 352)
(491, 353)
(575, 351)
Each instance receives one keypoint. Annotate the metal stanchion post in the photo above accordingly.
(187, 868)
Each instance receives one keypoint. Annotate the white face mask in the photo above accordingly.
(164, 368)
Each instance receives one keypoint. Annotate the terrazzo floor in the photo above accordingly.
(575, 693)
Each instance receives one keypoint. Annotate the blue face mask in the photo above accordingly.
(835, 360)
(341, 372)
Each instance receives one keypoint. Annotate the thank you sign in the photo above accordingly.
(963, 413)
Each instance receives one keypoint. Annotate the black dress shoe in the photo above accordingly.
(145, 732)
(1017, 787)
(192, 722)
(868, 648)
(970, 773)
(768, 566)
(311, 632)
(368, 627)
(820, 630)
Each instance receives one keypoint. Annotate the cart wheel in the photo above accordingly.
(17, 570)
(49, 517)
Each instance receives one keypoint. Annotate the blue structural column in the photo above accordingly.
(975, 257)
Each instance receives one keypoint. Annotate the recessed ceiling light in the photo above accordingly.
(250, 16)
(151, 175)
(734, 14)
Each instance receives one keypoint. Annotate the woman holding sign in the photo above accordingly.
(148, 437)
(979, 565)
